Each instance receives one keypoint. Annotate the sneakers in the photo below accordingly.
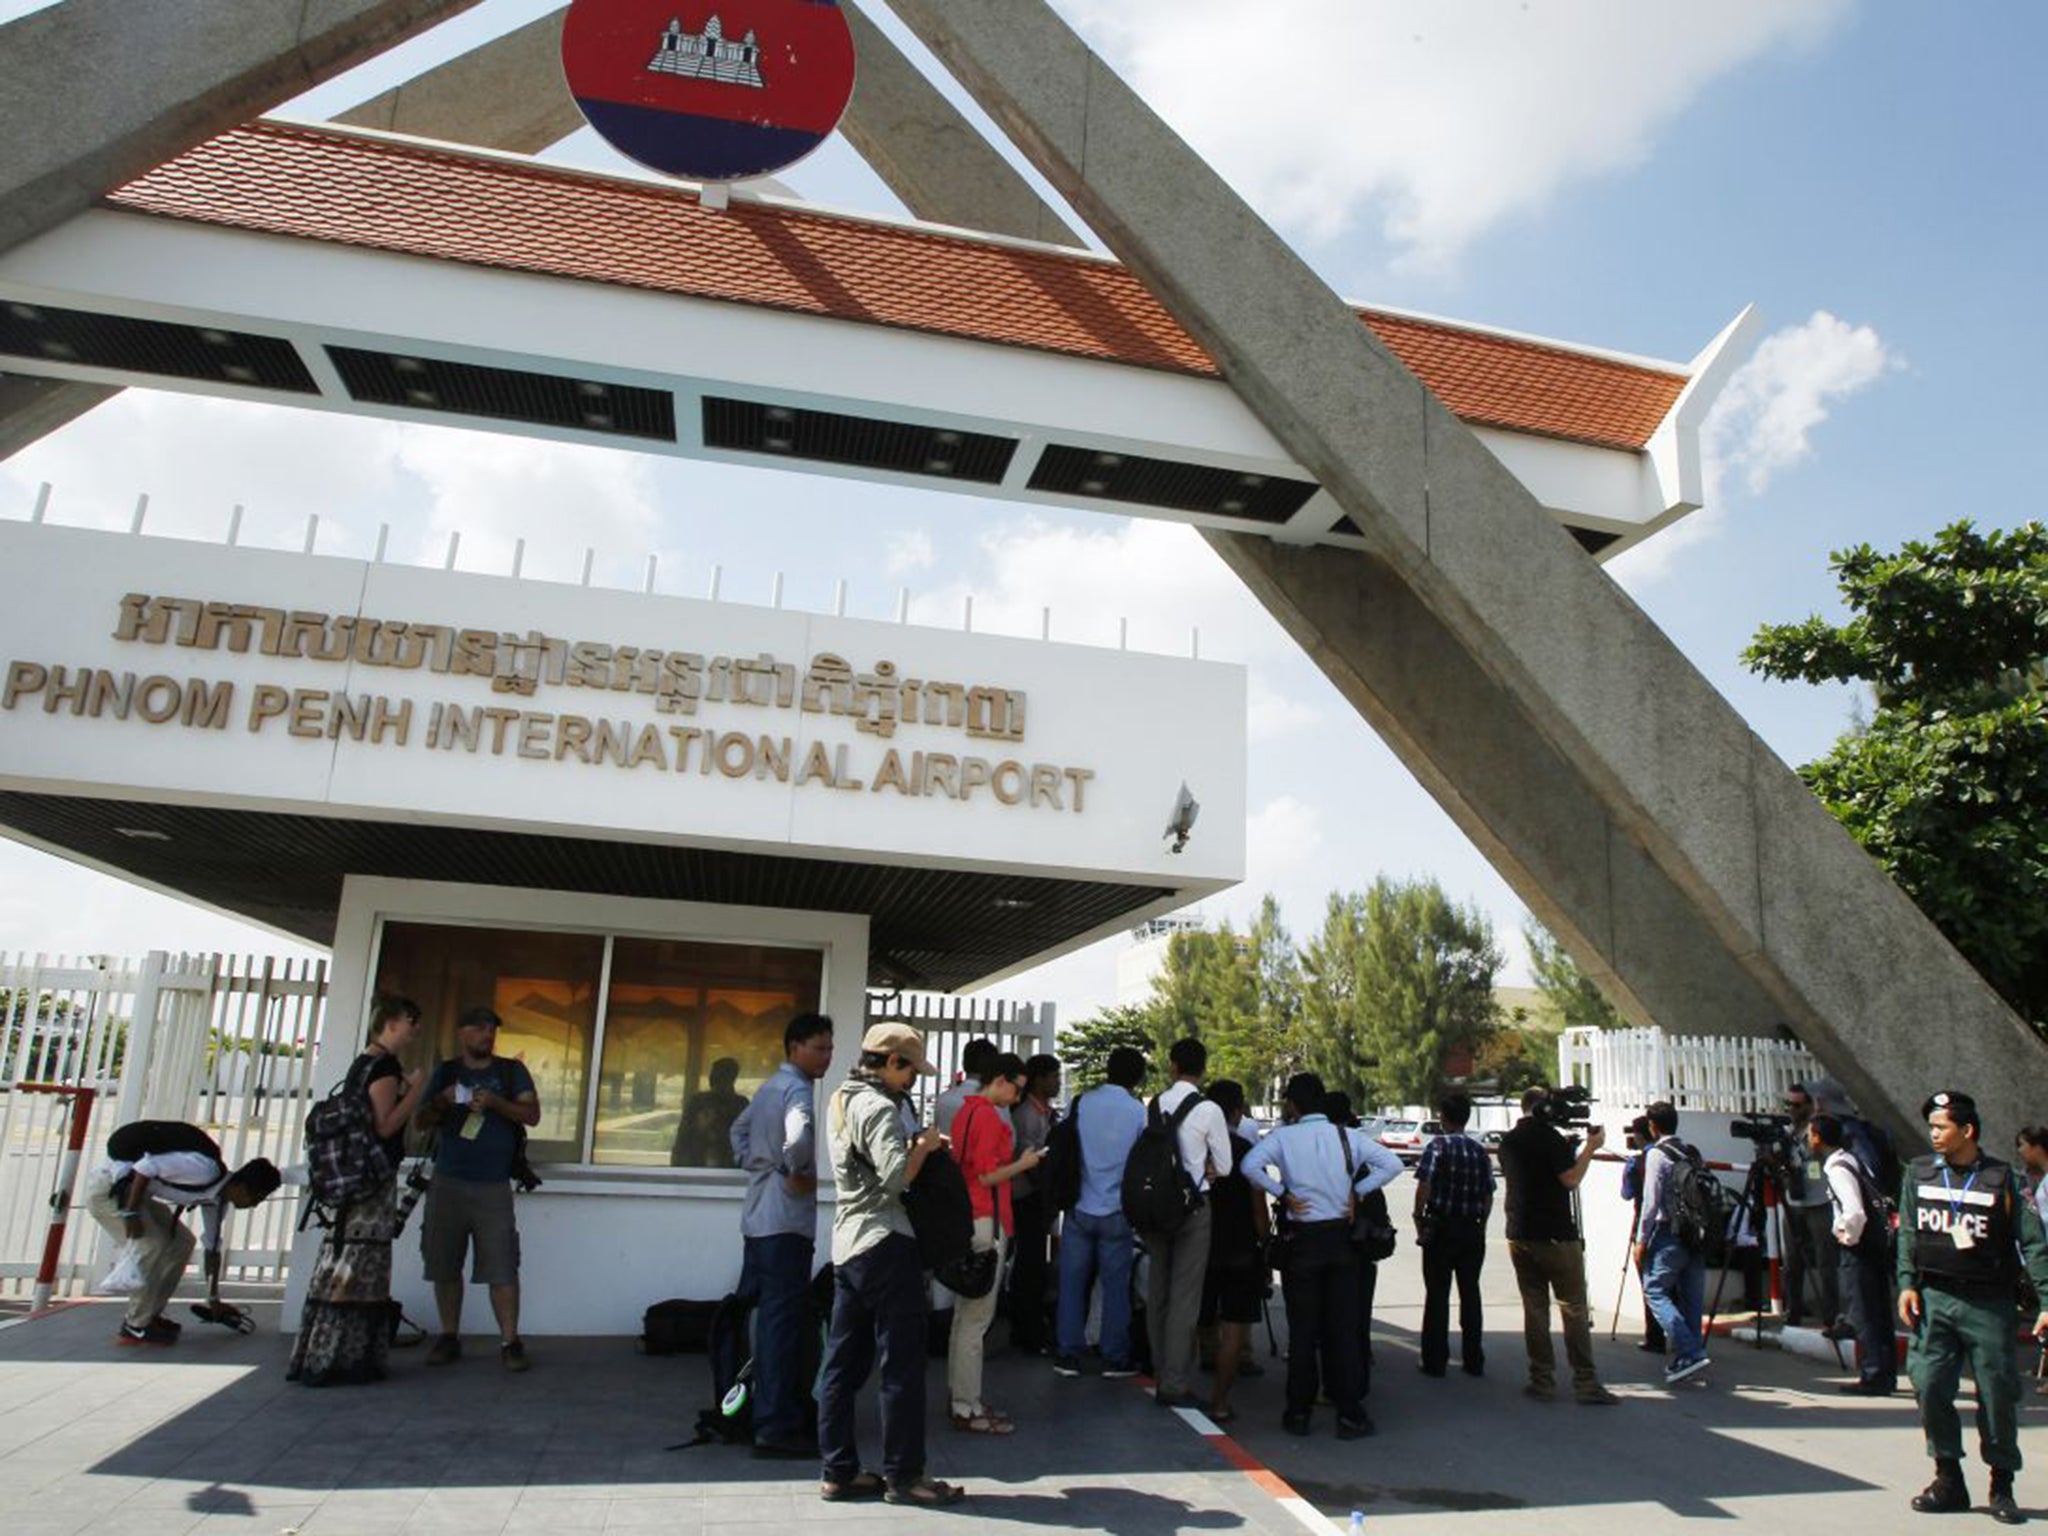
(446, 1351)
(1682, 1370)
(512, 1355)
(153, 1335)
(1121, 1371)
(1354, 1429)
(1066, 1365)
(1948, 1494)
(1597, 1396)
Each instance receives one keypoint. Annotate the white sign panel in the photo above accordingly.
(157, 668)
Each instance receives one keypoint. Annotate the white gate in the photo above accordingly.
(225, 1042)
(1697, 1073)
(948, 1023)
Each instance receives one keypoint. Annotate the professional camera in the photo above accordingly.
(1567, 1108)
(1639, 1136)
(1771, 1133)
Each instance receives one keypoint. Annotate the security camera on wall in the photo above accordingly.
(1182, 823)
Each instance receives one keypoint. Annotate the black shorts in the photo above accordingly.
(1232, 1295)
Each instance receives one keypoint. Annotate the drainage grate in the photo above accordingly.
(860, 442)
(1104, 476)
(157, 347)
(506, 394)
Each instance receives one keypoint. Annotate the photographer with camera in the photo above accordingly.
(1543, 1170)
(1670, 1246)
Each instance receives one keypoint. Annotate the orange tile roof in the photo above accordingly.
(324, 184)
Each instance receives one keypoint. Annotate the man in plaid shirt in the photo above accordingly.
(1453, 1196)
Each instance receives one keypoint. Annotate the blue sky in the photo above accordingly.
(1627, 173)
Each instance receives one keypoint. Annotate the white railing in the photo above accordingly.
(1701, 1073)
(948, 1023)
(224, 1042)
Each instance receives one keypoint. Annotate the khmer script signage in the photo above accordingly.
(710, 90)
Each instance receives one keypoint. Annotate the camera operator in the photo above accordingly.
(1812, 1258)
(1542, 1171)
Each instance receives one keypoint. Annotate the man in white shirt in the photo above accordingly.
(1863, 1236)
(154, 1171)
(1320, 1169)
(1179, 1259)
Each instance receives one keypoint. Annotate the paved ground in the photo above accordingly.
(210, 1438)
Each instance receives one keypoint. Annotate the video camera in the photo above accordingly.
(1767, 1133)
(1566, 1109)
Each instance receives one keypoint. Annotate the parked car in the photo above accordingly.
(1491, 1141)
(1403, 1138)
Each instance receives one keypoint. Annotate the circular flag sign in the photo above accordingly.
(710, 90)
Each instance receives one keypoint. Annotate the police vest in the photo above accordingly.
(1963, 1229)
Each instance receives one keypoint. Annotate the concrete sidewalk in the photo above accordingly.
(209, 1437)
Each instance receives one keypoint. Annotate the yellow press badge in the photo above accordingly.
(473, 1126)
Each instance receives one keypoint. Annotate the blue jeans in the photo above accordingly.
(877, 1301)
(1092, 1246)
(1675, 1280)
(776, 1272)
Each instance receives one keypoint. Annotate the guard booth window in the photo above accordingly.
(682, 1033)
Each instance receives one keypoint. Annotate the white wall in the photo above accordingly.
(597, 1244)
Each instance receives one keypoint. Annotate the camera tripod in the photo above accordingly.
(1751, 1210)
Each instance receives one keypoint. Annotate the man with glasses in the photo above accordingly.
(481, 1103)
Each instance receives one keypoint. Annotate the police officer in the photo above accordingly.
(1319, 1170)
(1964, 1224)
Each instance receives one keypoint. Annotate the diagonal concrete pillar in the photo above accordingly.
(1615, 788)
(102, 90)
(505, 94)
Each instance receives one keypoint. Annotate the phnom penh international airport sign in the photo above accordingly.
(249, 677)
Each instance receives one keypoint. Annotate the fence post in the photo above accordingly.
(79, 1102)
(141, 1042)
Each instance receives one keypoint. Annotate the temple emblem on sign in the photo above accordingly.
(707, 55)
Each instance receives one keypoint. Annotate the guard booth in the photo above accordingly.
(646, 829)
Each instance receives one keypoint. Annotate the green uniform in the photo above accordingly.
(1962, 1235)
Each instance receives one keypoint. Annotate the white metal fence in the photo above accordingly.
(1700, 1073)
(225, 1042)
(948, 1023)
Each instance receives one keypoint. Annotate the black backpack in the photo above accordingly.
(144, 1138)
(677, 1327)
(942, 1217)
(729, 1343)
(1158, 1195)
(1061, 1171)
(1695, 1199)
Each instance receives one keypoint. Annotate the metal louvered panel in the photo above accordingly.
(860, 442)
(39, 332)
(506, 394)
(1100, 475)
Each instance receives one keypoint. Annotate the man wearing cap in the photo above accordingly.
(480, 1101)
(878, 1277)
(1965, 1227)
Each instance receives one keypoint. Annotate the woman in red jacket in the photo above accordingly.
(985, 1147)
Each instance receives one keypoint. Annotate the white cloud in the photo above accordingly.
(908, 552)
(1439, 122)
(1764, 424)
(1284, 847)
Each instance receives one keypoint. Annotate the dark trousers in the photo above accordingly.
(1030, 1244)
(1319, 1280)
(1811, 1265)
(1456, 1252)
(776, 1272)
(1368, 1291)
(877, 1304)
(1867, 1289)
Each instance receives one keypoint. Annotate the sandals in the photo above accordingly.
(986, 1422)
(927, 1491)
(864, 1485)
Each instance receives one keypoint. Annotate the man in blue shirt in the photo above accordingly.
(1319, 1170)
(1096, 1238)
(1674, 1275)
(480, 1101)
(775, 1141)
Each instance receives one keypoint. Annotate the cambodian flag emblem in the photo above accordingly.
(710, 90)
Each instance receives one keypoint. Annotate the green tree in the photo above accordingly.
(1085, 1048)
(1251, 1033)
(1398, 979)
(1946, 784)
(1568, 990)
(1513, 1057)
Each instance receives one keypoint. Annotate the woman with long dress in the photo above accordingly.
(345, 1330)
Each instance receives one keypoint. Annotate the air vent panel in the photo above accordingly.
(160, 347)
(858, 442)
(506, 394)
(1104, 476)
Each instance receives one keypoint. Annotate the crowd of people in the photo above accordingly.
(1172, 1216)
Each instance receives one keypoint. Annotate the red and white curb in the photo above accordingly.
(1262, 1477)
